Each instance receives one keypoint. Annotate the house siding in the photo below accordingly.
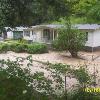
(39, 35)
(93, 43)
(27, 37)
(96, 38)
(10, 35)
(90, 42)
(36, 38)
(93, 34)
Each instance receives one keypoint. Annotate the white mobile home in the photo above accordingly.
(48, 33)
(41, 33)
(93, 35)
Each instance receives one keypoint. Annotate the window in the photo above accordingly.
(33, 33)
(55, 34)
(86, 36)
(27, 33)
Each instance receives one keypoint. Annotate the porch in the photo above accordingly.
(49, 35)
(42, 35)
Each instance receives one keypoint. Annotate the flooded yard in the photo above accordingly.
(61, 57)
(57, 57)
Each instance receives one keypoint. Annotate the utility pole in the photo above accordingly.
(92, 54)
(94, 74)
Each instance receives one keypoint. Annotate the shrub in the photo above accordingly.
(4, 48)
(36, 48)
(0, 48)
(23, 41)
(12, 46)
(16, 47)
(18, 83)
(19, 47)
(55, 46)
(11, 41)
(23, 47)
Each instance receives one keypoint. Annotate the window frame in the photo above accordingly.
(27, 33)
(87, 36)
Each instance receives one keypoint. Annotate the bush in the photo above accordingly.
(0, 48)
(19, 48)
(23, 41)
(12, 46)
(4, 48)
(18, 83)
(56, 46)
(37, 48)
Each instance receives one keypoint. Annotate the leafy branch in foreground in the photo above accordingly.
(20, 81)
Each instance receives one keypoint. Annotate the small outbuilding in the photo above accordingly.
(13, 33)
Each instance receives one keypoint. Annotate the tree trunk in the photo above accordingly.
(74, 54)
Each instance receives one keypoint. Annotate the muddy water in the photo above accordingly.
(61, 57)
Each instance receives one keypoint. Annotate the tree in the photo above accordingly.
(26, 13)
(70, 39)
(83, 6)
(88, 10)
(94, 13)
(15, 12)
(18, 83)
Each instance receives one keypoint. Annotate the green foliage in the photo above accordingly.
(60, 68)
(88, 9)
(4, 48)
(18, 83)
(94, 13)
(70, 39)
(84, 11)
(23, 41)
(84, 6)
(23, 46)
(14, 88)
(12, 46)
(80, 94)
(78, 20)
(37, 48)
(82, 75)
(20, 48)
(23, 13)
(0, 49)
